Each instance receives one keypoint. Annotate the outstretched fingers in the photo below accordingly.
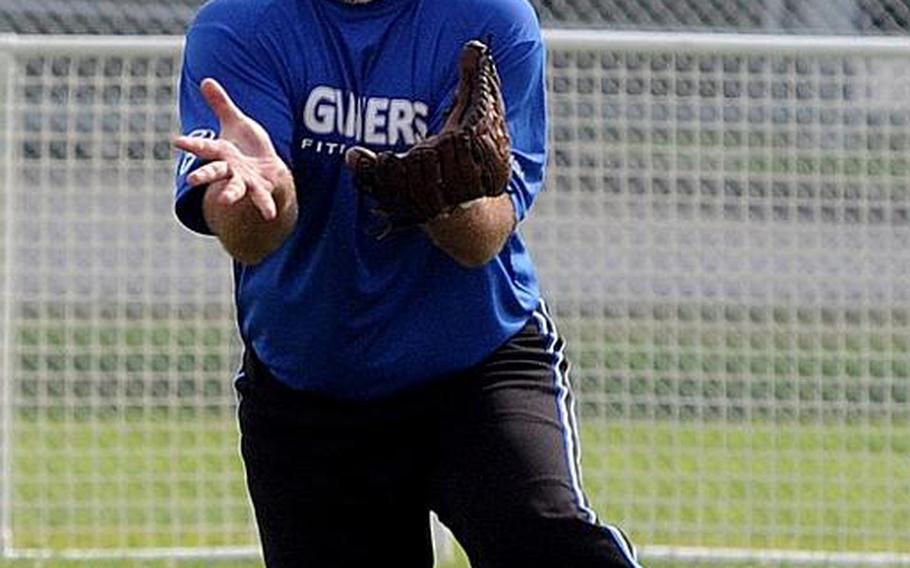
(228, 164)
(206, 149)
(210, 173)
(233, 191)
(220, 102)
(240, 186)
(263, 201)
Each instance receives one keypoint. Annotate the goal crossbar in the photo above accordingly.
(554, 37)
(765, 44)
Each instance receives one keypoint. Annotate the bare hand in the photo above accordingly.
(243, 160)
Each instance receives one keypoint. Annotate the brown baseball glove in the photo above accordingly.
(468, 160)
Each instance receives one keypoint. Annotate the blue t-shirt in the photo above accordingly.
(334, 310)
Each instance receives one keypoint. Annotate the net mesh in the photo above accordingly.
(872, 17)
(726, 239)
(725, 242)
(791, 16)
(122, 345)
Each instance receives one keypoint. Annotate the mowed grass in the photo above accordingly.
(155, 481)
(720, 436)
(460, 563)
(779, 486)
(149, 479)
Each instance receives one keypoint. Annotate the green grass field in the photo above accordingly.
(460, 562)
(178, 482)
(728, 436)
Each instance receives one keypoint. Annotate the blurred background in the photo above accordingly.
(724, 239)
(872, 17)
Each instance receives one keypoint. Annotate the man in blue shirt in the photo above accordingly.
(385, 378)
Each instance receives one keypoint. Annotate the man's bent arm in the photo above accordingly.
(474, 236)
(245, 235)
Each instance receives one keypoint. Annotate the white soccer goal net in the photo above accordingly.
(725, 240)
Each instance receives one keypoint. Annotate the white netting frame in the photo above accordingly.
(675, 158)
(6, 88)
(51, 111)
(548, 257)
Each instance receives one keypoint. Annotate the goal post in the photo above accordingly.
(119, 332)
(725, 240)
(6, 234)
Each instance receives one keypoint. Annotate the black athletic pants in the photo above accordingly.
(492, 451)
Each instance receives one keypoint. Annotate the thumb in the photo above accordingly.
(362, 163)
(219, 101)
(360, 159)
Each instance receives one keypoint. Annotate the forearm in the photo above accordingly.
(245, 235)
(474, 236)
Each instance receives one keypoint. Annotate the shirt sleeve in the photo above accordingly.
(522, 66)
(214, 49)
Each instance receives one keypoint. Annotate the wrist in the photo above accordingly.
(474, 236)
